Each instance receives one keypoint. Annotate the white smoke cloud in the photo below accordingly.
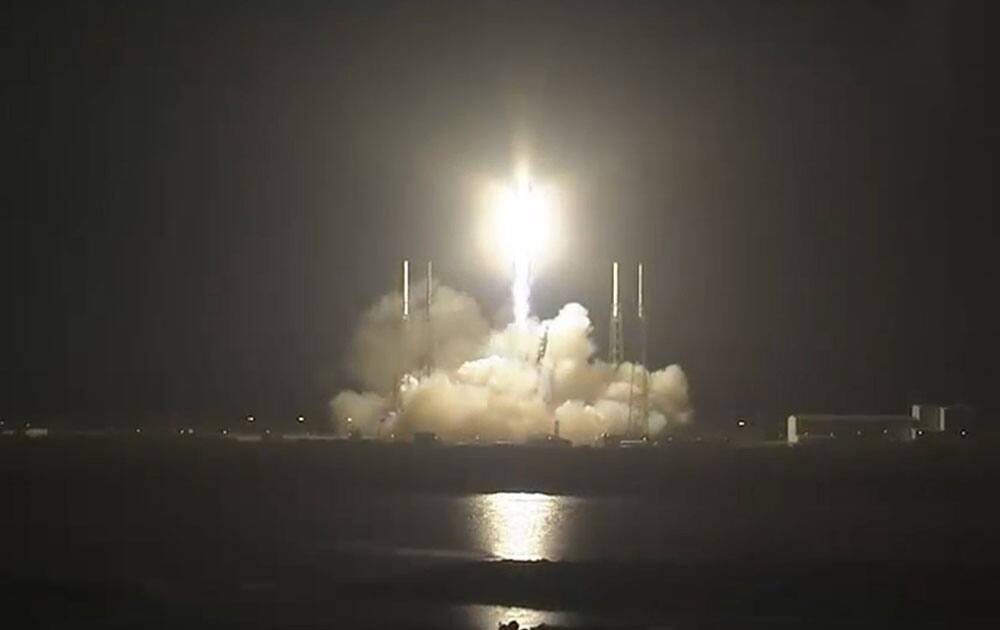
(452, 375)
(384, 348)
(359, 411)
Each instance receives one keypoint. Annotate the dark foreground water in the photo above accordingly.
(167, 535)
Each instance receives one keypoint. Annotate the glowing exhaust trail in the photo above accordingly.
(521, 289)
(523, 231)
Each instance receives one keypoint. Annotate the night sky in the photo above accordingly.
(201, 197)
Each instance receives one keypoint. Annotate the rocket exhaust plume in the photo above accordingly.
(462, 380)
(521, 289)
(522, 216)
(522, 209)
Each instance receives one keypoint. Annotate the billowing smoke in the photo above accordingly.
(451, 374)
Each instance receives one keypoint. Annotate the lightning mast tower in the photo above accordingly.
(429, 358)
(405, 324)
(642, 421)
(637, 425)
(430, 279)
(406, 290)
(616, 341)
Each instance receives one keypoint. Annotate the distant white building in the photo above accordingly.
(957, 419)
(815, 427)
(930, 417)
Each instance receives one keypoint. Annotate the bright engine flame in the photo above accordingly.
(522, 227)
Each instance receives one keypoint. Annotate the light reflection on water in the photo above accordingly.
(520, 525)
(481, 616)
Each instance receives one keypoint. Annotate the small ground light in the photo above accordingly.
(190, 431)
(138, 430)
(225, 432)
(741, 423)
(301, 419)
(963, 433)
(249, 418)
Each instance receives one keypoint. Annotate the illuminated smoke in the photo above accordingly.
(490, 384)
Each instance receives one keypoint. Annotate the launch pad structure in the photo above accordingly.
(638, 420)
(637, 423)
(402, 377)
(616, 332)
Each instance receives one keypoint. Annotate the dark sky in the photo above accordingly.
(201, 197)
